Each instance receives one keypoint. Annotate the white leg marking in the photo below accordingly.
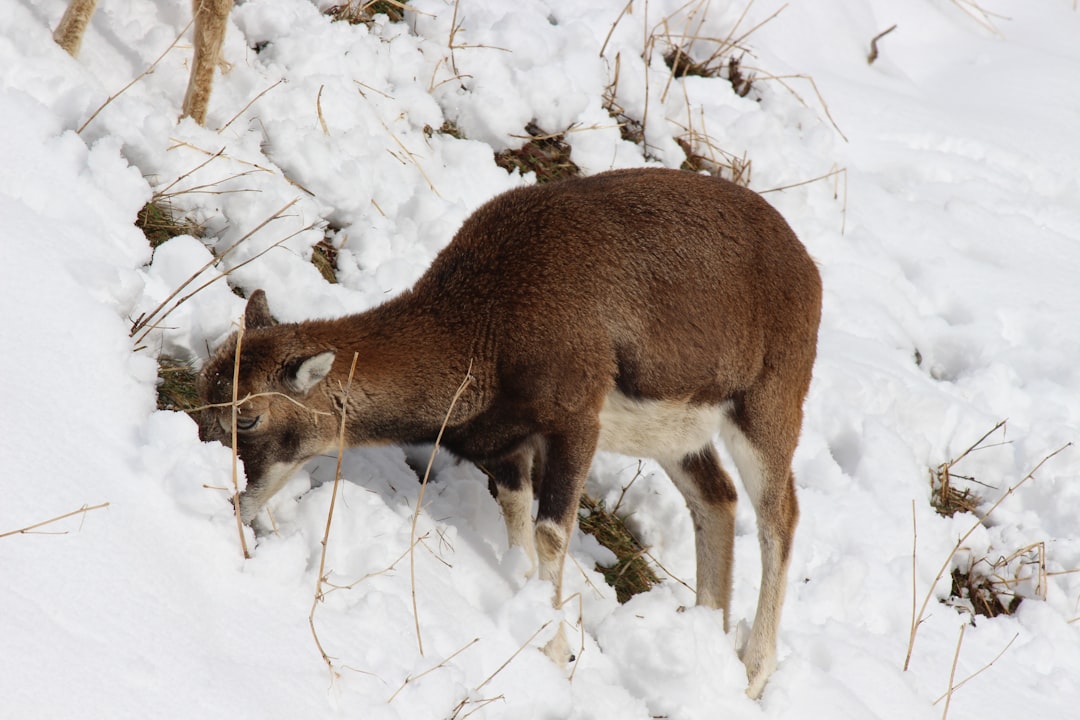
(517, 513)
(551, 543)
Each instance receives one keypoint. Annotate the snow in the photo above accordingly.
(948, 246)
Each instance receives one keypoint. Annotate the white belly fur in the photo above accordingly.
(659, 429)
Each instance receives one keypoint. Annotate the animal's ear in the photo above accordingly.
(257, 313)
(306, 373)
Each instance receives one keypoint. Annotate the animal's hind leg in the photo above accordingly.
(710, 496)
(762, 444)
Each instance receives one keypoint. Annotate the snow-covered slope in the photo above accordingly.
(948, 240)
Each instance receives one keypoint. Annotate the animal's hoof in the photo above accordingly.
(558, 649)
(758, 672)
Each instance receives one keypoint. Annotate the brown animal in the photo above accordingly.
(209, 35)
(638, 311)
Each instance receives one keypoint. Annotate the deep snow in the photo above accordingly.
(951, 237)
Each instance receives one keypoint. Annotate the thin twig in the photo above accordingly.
(433, 668)
(516, 653)
(250, 103)
(235, 453)
(138, 77)
(873, 45)
(27, 530)
(318, 110)
(959, 543)
(914, 548)
(330, 517)
(952, 672)
(144, 320)
(420, 499)
(957, 686)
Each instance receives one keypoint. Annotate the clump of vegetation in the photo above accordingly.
(631, 574)
(324, 258)
(355, 12)
(982, 594)
(545, 154)
(682, 65)
(982, 585)
(158, 221)
(176, 385)
(449, 127)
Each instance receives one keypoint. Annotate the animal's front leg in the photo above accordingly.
(512, 478)
(565, 469)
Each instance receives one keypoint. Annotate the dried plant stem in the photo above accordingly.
(914, 575)
(249, 104)
(30, 528)
(235, 454)
(321, 579)
(138, 77)
(318, 110)
(514, 655)
(959, 543)
(144, 320)
(420, 500)
(433, 668)
(611, 30)
(839, 174)
(972, 676)
(873, 55)
(952, 672)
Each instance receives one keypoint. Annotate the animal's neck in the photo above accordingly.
(409, 366)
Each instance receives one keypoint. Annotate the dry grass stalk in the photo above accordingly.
(704, 155)
(510, 659)
(318, 110)
(952, 672)
(433, 668)
(918, 620)
(235, 452)
(250, 102)
(953, 688)
(873, 54)
(143, 322)
(137, 78)
(420, 499)
(981, 15)
(480, 705)
(319, 595)
(29, 529)
(947, 499)
(840, 175)
(782, 79)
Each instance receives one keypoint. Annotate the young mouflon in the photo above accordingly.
(639, 311)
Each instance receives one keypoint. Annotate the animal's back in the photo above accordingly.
(676, 284)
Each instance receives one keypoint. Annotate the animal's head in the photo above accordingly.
(285, 412)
